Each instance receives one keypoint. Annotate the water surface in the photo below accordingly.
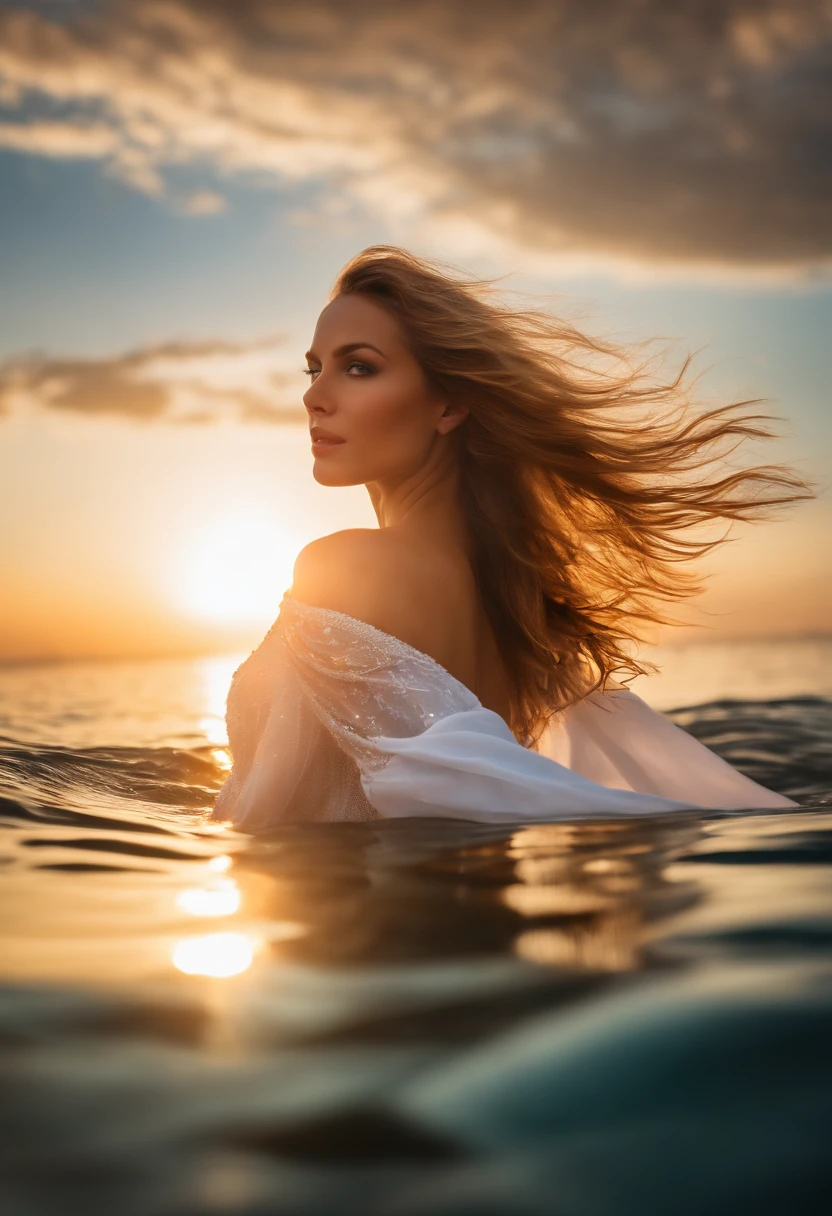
(414, 1017)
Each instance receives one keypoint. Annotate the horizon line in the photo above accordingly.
(822, 635)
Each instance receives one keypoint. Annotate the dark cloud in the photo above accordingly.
(687, 134)
(194, 382)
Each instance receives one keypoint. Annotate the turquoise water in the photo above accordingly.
(415, 1017)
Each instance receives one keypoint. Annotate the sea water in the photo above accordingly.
(417, 1017)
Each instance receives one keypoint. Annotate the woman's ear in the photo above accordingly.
(452, 415)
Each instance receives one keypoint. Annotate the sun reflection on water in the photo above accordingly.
(220, 898)
(222, 758)
(220, 955)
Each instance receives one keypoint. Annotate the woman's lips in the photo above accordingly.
(323, 445)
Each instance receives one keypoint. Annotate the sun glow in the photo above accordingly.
(238, 570)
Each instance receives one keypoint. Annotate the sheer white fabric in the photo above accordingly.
(332, 719)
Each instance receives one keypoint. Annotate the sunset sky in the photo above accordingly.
(180, 182)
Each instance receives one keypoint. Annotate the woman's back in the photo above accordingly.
(415, 589)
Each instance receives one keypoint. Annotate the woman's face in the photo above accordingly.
(368, 390)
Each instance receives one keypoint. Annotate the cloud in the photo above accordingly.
(623, 132)
(59, 139)
(203, 202)
(191, 382)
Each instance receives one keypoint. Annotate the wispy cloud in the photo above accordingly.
(625, 131)
(59, 139)
(190, 382)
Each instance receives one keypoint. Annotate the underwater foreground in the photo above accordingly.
(414, 1018)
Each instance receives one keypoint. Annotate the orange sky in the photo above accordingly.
(182, 540)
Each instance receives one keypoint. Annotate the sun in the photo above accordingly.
(237, 571)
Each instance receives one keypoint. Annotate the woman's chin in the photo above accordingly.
(327, 476)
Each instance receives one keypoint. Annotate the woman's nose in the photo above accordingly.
(313, 399)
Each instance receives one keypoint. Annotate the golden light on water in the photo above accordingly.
(219, 898)
(226, 954)
(216, 674)
(222, 758)
(610, 945)
(237, 570)
(219, 955)
(561, 900)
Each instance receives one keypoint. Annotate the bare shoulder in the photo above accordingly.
(364, 573)
(329, 571)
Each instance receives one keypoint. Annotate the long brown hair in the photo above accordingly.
(584, 488)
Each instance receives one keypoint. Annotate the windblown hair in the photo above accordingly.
(585, 488)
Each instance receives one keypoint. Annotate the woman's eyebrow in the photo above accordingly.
(347, 350)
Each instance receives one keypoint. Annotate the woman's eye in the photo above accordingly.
(366, 369)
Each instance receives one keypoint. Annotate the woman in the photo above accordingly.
(533, 512)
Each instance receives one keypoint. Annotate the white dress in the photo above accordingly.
(331, 719)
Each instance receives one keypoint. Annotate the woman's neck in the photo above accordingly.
(426, 504)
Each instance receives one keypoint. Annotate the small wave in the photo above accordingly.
(782, 744)
(85, 785)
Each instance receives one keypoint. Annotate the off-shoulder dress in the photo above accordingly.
(331, 719)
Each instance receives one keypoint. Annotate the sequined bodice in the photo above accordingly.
(311, 702)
